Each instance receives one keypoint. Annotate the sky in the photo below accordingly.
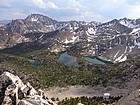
(64, 10)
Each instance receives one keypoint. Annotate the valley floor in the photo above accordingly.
(79, 91)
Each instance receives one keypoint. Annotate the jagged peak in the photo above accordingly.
(95, 23)
(38, 17)
(110, 23)
(130, 23)
(125, 18)
(114, 20)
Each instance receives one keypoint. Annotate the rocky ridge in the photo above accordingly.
(14, 92)
(133, 98)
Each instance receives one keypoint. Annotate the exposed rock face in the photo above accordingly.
(14, 92)
(33, 23)
(132, 98)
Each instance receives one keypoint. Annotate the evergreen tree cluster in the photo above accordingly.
(89, 100)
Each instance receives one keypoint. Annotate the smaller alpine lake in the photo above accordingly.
(97, 60)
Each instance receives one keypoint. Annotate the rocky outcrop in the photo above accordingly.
(14, 92)
(132, 98)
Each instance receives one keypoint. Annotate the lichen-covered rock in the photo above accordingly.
(14, 92)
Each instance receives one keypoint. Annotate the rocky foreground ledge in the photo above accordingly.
(14, 92)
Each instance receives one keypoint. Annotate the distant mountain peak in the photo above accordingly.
(130, 23)
(38, 17)
(4, 22)
(95, 23)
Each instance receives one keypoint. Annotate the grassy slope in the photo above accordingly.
(53, 73)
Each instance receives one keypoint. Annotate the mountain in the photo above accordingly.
(4, 22)
(33, 48)
(40, 23)
(123, 43)
(131, 23)
(33, 23)
(113, 40)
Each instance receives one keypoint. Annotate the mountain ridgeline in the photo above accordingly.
(101, 57)
(113, 40)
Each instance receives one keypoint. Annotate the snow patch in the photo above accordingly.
(80, 104)
(41, 36)
(131, 48)
(129, 23)
(123, 59)
(71, 41)
(91, 31)
(137, 44)
(116, 54)
(125, 50)
(135, 30)
(34, 19)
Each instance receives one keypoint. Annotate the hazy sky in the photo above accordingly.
(88, 10)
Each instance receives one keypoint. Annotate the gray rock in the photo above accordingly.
(14, 92)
